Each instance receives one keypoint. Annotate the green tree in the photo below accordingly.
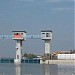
(29, 56)
(25, 55)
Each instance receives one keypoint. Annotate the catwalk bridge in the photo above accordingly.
(27, 36)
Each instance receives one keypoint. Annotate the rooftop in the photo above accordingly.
(46, 31)
(19, 31)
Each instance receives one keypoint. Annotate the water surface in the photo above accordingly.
(37, 69)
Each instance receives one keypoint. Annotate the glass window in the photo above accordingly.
(43, 33)
(21, 33)
(47, 34)
(15, 33)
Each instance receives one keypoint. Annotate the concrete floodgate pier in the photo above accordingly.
(46, 58)
(18, 36)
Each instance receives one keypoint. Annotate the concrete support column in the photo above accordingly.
(19, 50)
(47, 46)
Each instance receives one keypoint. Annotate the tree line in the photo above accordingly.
(29, 56)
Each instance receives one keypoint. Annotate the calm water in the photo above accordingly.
(37, 69)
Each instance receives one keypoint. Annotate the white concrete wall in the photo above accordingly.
(66, 56)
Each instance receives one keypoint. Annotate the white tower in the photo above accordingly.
(18, 36)
(46, 35)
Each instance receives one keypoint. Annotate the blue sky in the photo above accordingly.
(34, 16)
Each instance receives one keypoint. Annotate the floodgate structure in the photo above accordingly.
(46, 36)
(20, 36)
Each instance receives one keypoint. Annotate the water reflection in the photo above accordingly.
(50, 69)
(18, 70)
(66, 69)
(36, 69)
(45, 69)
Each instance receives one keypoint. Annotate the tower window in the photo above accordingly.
(21, 33)
(47, 34)
(17, 56)
(16, 33)
(43, 33)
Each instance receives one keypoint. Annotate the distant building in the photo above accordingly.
(66, 56)
(65, 52)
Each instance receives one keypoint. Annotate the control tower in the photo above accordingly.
(46, 35)
(18, 36)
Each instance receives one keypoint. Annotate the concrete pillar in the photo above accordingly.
(18, 50)
(47, 46)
